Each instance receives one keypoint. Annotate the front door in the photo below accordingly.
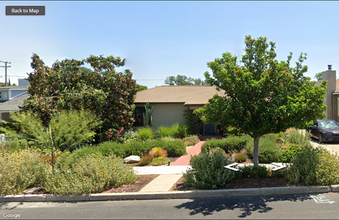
(209, 129)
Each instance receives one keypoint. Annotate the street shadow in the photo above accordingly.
(248, 205)
(3, 205)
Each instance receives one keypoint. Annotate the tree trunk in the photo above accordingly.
(255, 151)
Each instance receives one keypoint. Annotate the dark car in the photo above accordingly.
(325, 130)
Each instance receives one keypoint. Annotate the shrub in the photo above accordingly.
(191, 141)
(69, 128)
(164, 131)
(313, 167)
(208, 171)
(269, 136)
(160, 161)
(20, 170)
(280, 138)
(240, 157)
(93, 173)
(179, 131)
(174, 148)
(252, 171)
(157, 152)
(289, 153)
(129, 135)
(145, 133)
(145, 160)
(229, 145)
(167, 139)
(295, 137)
(268, 151)
(218, 150)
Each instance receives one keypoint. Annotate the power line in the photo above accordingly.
(6, 66)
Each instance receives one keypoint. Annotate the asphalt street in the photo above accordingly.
(311, 206)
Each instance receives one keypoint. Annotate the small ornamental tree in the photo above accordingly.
(262, 95)
(66, 85)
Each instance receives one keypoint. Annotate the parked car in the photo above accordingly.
(325, 130)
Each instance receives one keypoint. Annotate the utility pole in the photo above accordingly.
(6, 66)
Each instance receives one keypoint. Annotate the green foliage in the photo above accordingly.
(157, 152)
(129, 135)
(268, 151)
(280, 137)
(145, 133)
(141, 87)
(314, 167)
(179, 131)
(295, 137)
(262, 94)
(105, 92)
(68, 128)
(20, 170)
(160, 161)
(229, 145)
(174, 148)
(208, 171)
(289, 153)
(164, 131)
(240, 157)
(194, 124)
(93, 173)
(191, 141)
(145, 160)
(148, 119)
(252, 171)
(14, 144)
(183, 80)
(319, 76)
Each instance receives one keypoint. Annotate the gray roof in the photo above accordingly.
(13, 104)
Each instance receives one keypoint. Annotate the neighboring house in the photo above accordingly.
(332, 94)
(11, 97)
(169, 103)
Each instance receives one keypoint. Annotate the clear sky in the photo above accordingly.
(164, 38)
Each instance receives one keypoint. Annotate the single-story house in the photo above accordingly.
(332, 94)
(169, 103)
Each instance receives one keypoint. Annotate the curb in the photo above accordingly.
(172, 194)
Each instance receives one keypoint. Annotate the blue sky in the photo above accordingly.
(164, 38)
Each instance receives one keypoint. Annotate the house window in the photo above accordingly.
(139, 116)
(338, 105)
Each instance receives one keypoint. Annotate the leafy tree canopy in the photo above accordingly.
(141, 87)
(262, 95)
(107, 93)
(319, 76)
(183, 80)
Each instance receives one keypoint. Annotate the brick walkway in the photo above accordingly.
(185, 160)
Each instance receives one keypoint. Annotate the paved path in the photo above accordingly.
(169, 175)
(185, 160)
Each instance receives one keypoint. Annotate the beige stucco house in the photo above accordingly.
(332, 94)
(169, 103)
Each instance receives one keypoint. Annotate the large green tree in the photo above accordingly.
(262, 95)
(183, 80)
(66, 85)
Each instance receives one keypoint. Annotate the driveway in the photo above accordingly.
(331, 147)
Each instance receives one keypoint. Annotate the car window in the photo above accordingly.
(328, 124)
